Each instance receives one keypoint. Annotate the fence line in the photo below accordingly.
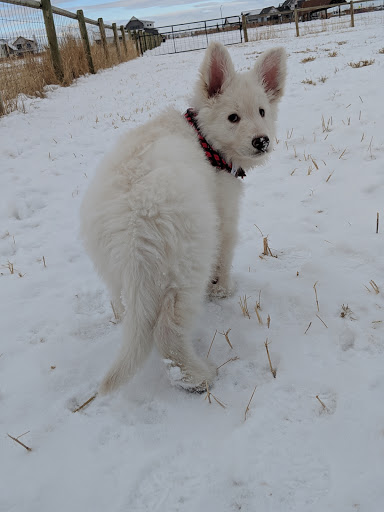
(255, 30)
(64, 46)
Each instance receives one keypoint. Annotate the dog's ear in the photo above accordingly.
(216, 70)
(271, 70)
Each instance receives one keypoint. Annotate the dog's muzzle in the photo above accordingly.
(261, 143)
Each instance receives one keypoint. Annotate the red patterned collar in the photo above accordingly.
(213, 156)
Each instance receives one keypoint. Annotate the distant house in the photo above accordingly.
(5, 50)
(289, 5)
(253, 16)
(270, 14)
(23, 46)
(141, 26)
(266, 15)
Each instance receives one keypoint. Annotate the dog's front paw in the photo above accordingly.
(219, 289)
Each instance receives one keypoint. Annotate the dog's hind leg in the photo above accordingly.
(172, 337)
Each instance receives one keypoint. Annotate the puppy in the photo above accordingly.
(159, 219)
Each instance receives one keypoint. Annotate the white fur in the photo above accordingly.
(160, 223)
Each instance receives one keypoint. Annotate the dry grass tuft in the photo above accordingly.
(375, 288)
(244, 306)
(266, 249)
(16, 439)
(346, 312)
(31, 75)
(308, 59)
(381, 50)
(341, 42)
(225, 334)
(361, 63)
(323, 79)
(209, 395)
(333, 54)
(308, 81)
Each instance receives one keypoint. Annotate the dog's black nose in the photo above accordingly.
(261, 143)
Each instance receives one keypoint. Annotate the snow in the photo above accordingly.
(150, 446)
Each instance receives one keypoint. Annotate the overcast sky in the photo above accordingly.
(162, 12)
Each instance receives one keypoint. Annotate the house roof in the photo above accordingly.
(255, 12)
(267, 10)
(319, 3)
(24, 38)
(142, 21)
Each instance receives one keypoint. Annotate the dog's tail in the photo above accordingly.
(141, 299)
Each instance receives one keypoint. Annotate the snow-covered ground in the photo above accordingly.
(151, 447)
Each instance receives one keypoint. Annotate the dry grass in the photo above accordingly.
(273, 370)
(225, 334)
(266, 32)
(266, 249)
(322, 403)
(341, 42)
(361, 63)
(323, 79)
(16, 439)
(244, 306)
(249, 403)
(31, 75)
(317, 301)
(308, 59)
(85, 403)
(209, 395)
(333, 54)
(308, 81)
(381, 50)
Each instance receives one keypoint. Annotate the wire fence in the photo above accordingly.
(317, 19)
(197, 35)
(29, 62)
(41, 45)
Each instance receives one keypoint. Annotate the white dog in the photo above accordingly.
(160, 218)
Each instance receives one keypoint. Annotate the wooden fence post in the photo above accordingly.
(136, 42)
(116, 41)
(2, 106)
(297, 23)
(124, 39)
(52, 38)
(352, 15)
(84, 37)
(244, 22)
(103, 38)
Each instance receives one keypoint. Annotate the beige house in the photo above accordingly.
(24, 45)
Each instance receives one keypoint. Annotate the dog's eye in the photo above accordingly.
(234, 118)
(262, 112)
